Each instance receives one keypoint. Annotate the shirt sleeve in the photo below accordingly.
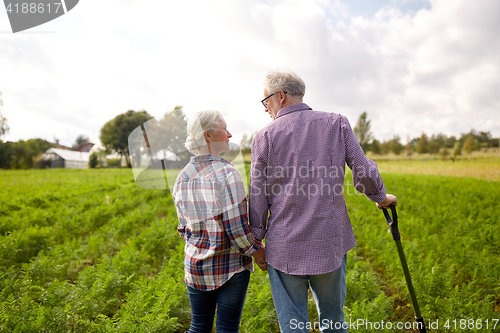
(181, 227)
(365, 174)
(258, 200)
(235, 216)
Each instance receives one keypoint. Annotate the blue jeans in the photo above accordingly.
(290, 299)
(228, 299)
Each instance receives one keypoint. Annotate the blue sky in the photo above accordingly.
(414, 66)
(368, 8)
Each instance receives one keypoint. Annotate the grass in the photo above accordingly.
(487, 169)
(480, 165)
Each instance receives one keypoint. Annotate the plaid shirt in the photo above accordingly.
(212, 209)
(297, 175)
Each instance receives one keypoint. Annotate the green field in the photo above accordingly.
(89, 251)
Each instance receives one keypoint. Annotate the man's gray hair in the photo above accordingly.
(285, 80)
(197, 124)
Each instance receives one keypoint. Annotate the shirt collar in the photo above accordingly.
(207, 158)
(292, 108)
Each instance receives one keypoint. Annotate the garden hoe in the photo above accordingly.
(393, 224)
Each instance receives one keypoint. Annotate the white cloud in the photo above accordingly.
(435, 70)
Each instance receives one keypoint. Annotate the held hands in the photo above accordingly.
(389, 198)
(260, 258)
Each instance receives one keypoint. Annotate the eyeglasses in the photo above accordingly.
(264, 100)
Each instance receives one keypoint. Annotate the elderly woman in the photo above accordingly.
(212, 209)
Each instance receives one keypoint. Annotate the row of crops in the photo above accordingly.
(89, 251)
(451, 237)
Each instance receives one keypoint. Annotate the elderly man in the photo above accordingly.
(297, 176)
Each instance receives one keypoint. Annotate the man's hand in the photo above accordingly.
(389, 198)
(260, 258)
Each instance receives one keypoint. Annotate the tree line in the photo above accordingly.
(167, 132)
(162, 136)
(170, 131)
(436, 144)
(26, 154)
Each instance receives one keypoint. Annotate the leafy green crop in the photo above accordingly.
(89, 251)
(449, 230)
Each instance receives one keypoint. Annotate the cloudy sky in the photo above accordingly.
(414, 66)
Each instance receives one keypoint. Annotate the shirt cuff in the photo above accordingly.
(251, 250)
(258, 233)
(379, 197)
(259, 242)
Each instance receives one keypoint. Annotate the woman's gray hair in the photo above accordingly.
(285, 80)
(197, 124)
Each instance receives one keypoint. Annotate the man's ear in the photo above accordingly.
(282, 96)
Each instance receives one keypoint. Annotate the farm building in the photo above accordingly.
(62, 158)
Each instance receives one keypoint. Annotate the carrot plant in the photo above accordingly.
(89, 251)
(449, 230)
(71, 264)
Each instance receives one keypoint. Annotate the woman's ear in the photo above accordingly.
(208, 136)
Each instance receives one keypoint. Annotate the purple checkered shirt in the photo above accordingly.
(211, 205)
(297, 175)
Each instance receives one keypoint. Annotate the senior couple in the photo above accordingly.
(292, 204)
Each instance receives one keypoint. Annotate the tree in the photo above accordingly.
(396, 146)
(484, 137)
(423, 144)
(246, 143)
(440, 139)
(375, 147)
(243, 143)
(444, 153)
(171, 131)
(81, 140)
(6, 152)
(495, 142)
(409, 147)
(469, 145)
(3, 121)
(433, 147)
(5, 148)
(115, 133)
(457, 149)
(481, 137)
(93, 160)
(250, 140)
(385, 147)
(362, 131)
(25, 154)
(450, 142)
